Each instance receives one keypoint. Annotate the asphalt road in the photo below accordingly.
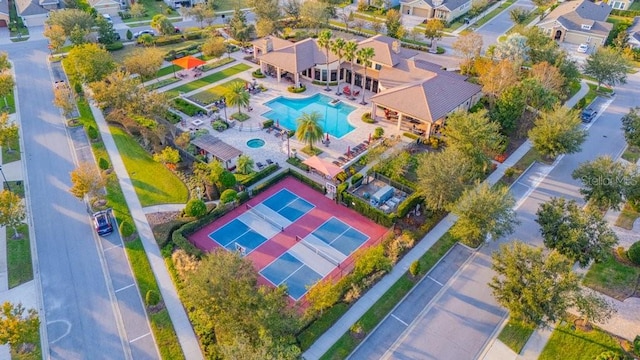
(80, 307)
(500, 24)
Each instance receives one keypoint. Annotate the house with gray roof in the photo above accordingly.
(35, 12)
(634, 33)
(578, 22)
(4, 13)
(414, 95)
(445, 10)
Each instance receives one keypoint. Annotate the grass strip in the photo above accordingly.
(515, 335)
(153, 182)
(208, 96)
(347, 343)
(209, 79)
(493, 13)
(9, 103)
(631, 154)
(627, 217)
(11, 153)
(19, 264)
(162, 83)
(566, 342)
(612, 277)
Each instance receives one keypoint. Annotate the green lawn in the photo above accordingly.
(635, 6)
(226, 5)
(16, 187)
(19, 257)
(210, 95)
(11, 153)
(613, 278)
(127, 50)
(209, 79)
(153, 8)
(347, 343)
(627, 217)
(9, 103)
(566, 343)
(493, 14)
(162, 83)
(631, 154)
(515, 335)
(154, 183)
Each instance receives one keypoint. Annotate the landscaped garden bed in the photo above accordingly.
(207, 80)
(614, 277)
(209, 96)
(162, 83)
(240, 116)
(627, 217)
(186, 107)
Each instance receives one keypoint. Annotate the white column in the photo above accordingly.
(400, 116)
(278, 72)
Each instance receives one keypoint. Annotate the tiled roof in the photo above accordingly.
(298, 56)
(216, 147)
(383, 47)
(573, 14)
(447, 4)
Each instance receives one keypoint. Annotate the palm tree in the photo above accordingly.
(245, 164)
(337, 47)
(365, 55)
(324, 41)
(237, 95)
(350, 49)
(309, 129)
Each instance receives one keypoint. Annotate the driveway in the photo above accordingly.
(463, 317)
(80, 307)
(497, 26)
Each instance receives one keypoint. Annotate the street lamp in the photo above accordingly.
(5, 179)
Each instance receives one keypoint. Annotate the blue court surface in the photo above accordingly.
(340, 236)
(293, 273)
(288, 204)
(237, 233)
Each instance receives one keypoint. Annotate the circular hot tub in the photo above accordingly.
(255, 143)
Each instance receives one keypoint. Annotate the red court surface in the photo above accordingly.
(271, 249)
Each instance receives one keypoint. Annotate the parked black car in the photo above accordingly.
(588, 114)
(102, 222)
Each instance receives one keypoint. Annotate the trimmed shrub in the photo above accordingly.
(219, 125)
(414, 268)
(195, 208)
(228, 196)
(152, 298)
(318, 82)
(378, 133)
(258, 74)
(409, 204)
(92, 132)
(114, 46)
(172, 118)
(187, 107)
(366, 117)
(356, 179)
(127, 228)
(267, 124)
(510, 172)
(259, 175)
(129, 33)
(636, 345)
(103, 164)
(411, 136)
(296, 90)
(634, 253)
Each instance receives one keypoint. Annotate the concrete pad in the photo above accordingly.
(499, 351)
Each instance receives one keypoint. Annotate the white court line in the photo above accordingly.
(397, 318)
(126, 287)
(296, 270)
(140, 337)
(435, 281)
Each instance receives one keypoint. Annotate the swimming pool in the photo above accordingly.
(334, 118)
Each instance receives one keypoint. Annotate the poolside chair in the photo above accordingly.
(356, 93)
(346, 90)
(269, 162)
(259, 165)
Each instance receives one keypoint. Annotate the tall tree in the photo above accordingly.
(87, 180)
(266, 9)
(12, 212)
(468, 47)
(265, 27)
(238, 26)
(201, 13)
(324, 41)
(535, 287)
(245, 164)
(6, 86)
(18, 326)
(56, 35)
(106, 32)
(631, 126)
(145, 62)
(604, 181)
(214, 47)
(581, 236)
(514, 49)
(237, 95)
(292, 9)
(548, 76)
(137, 10)
(364, 56)
(70, 18)
(309, 130)
(393, 23)
(433, 32)
(9, 132)
(64, 98)
(483, 211)
(350, 49)
(78, 35)
(88, 63)
(118, 91)
(337, 48)
(314, 13)
(443, 176)
(557, 132)
(497, 77)
(508, 109)
(475, 136)
(227, 304)
(608, 66)
(162, 24)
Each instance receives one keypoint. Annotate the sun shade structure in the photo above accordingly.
(217, 148)
(323, 167)
(188, 62)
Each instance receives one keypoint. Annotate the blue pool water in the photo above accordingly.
(334, 118)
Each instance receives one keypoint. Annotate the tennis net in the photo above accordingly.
(264, 217)
(318, 252)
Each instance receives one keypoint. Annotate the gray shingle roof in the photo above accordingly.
(447, 4)
(216, 147)
(573, 14)
(29, 7)
(4, 7)
(634, 29)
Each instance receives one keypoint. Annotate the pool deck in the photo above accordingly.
(275, 148)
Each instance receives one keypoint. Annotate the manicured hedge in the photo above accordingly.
(298, 163)
(265, 185)
(172, 118)
(367, 210)
(267, 124)
(308, 181)
(409, 204)
(625, 13)
(259, 175)
(296, 90)
(410, 135)
(187, 107)
(318, 82)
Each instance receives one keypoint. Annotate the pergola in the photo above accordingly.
(217, 148)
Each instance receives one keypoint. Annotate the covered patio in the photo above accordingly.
(217, 149)
(327, 169)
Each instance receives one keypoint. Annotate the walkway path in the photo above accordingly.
(361, 306)
(181, 323)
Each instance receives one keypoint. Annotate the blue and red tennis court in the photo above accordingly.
(294, 235)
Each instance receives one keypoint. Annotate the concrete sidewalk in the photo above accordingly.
(181, 324)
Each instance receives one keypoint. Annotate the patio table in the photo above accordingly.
(197, 122)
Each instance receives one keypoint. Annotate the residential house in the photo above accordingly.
(578, 22)
(110, 7)
(445, 10)
(621, 4)
(35, 12)
(414, 95)
(4, 13)
(634, 33)
(381, 4)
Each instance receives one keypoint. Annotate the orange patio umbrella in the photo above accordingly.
(188, 62)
